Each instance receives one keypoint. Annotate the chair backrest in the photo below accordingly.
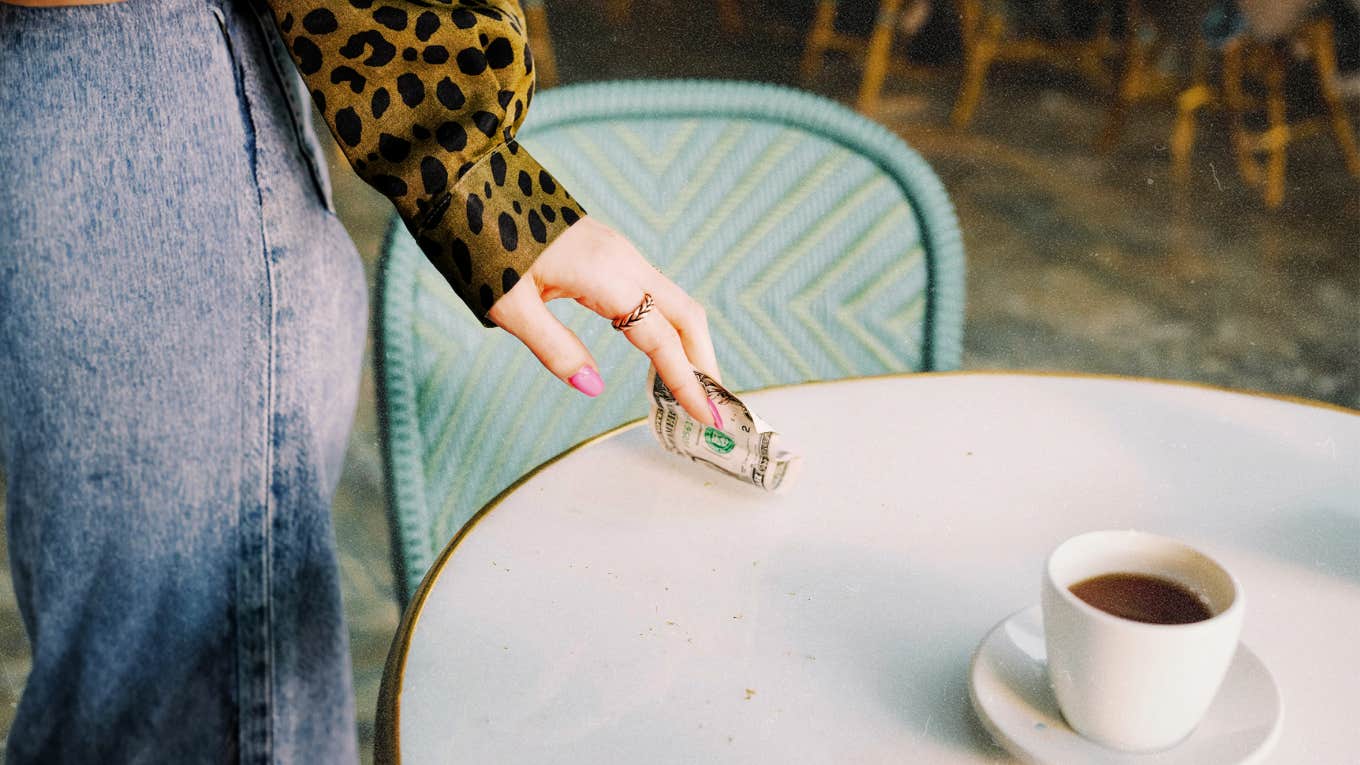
(822, 246)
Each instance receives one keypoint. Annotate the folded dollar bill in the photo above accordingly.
(746, 448)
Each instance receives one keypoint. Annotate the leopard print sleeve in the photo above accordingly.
(425, 98)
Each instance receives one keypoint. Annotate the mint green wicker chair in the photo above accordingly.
(822, 246)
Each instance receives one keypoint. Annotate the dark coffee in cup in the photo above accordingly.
(1142, 598)
(1119, 680)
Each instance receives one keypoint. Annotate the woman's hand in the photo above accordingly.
(600, 269)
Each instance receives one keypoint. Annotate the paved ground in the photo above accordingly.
(1076, 261)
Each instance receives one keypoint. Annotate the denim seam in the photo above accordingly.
(255, 748)
(279, 63)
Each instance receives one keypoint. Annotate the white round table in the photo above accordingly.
(623, 605)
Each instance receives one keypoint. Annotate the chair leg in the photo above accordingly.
(1188, 104)
(880, 50)
(1183, 134)
(980, 55)
(1277, 137)
(1130, 80)
(540, 42)
(1234, 100)
(819, 39)
(1324, 57)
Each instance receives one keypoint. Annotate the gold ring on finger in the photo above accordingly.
(629, 320)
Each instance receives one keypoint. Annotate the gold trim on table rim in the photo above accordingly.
(387, 737)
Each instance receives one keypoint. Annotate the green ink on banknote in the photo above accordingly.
(718, 441)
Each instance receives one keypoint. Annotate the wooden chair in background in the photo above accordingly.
(1261, 153)
(1151, 28)
(990, 35)
(1246, 78)
(894, 17)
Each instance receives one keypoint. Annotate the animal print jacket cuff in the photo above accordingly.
(425, 98)
(491, 226)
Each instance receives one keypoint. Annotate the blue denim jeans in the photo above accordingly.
(182, 320)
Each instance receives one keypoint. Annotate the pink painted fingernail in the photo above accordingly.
(717, 418)
(587, 381)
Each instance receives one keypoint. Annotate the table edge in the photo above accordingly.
(387, 736)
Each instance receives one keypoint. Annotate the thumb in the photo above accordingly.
(522, 313)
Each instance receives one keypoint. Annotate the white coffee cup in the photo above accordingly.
(1132, 685)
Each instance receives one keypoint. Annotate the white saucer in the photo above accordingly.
(1008, 684)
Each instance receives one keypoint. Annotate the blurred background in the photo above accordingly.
(1158, 188)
